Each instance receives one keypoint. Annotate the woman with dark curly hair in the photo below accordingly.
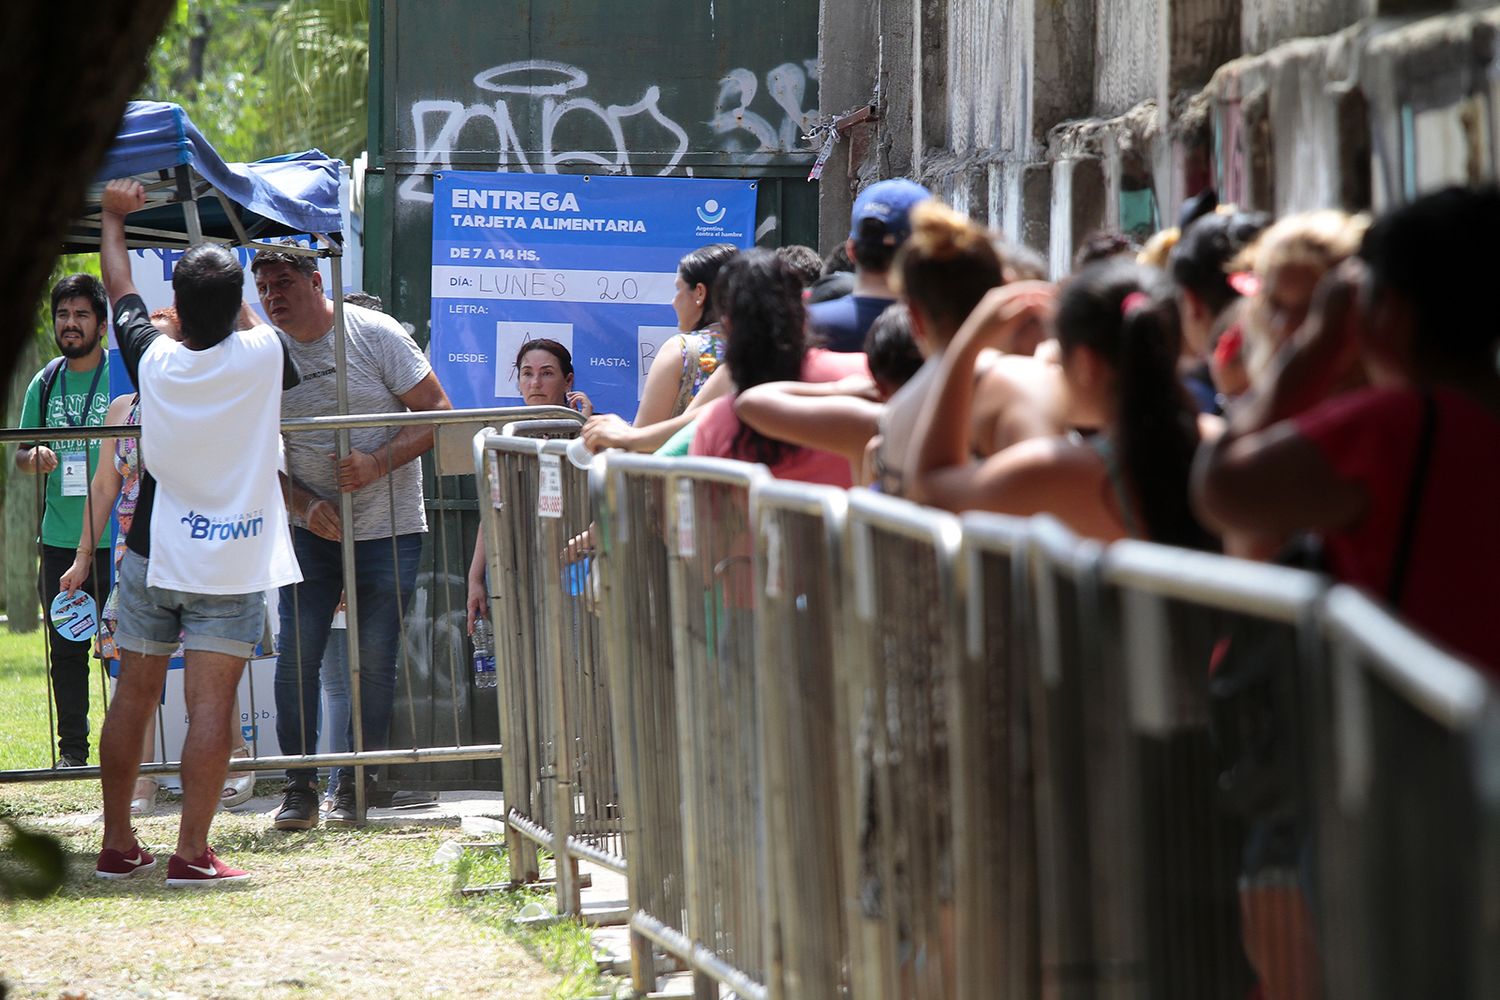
(760, 303)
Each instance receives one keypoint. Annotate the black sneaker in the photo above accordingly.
(343, 812)
(68, 760)
(299, 808)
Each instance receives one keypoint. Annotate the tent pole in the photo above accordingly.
(189, 207)
(346, 515)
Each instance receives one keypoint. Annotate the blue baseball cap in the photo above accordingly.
(890, 203)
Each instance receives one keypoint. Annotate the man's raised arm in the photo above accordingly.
(121, 197)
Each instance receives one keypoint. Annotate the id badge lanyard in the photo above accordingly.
(74, 465)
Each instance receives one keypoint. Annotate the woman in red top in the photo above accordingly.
(760, 298)
(1410, 464)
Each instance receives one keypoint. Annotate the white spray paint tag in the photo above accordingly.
(686, 529)
(549, 494)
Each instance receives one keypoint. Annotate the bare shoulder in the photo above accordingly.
(119, 409)
(1043, 457)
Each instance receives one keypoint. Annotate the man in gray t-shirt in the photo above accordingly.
(387, 374)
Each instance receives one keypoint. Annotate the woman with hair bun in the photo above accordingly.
(943, 272)
(1118, 333)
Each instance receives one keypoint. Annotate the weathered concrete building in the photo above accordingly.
(1052, 119)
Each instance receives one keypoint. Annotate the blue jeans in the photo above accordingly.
(336, 693)
(382, 590)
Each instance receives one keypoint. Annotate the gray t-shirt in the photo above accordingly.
(384, 362)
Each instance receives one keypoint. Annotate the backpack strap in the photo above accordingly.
(49, 376)
(1402, 558)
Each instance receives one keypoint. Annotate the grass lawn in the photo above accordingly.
(24, 735)
(328, 913)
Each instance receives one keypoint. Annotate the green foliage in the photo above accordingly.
(32, 865)
(318, 66)
(211, 59)
(263, 77)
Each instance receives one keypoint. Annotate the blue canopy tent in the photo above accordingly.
(193, 196)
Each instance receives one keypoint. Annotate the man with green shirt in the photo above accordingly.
(75, 393)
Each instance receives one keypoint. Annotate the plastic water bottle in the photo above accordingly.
(484, 654)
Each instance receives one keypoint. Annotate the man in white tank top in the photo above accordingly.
(209, 536)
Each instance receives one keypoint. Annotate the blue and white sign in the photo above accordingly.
(587, 261)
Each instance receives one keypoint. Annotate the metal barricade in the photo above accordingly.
(806, 766)
(430, 640)
(561, 784)
(679, 594)
(1063, 591)
(1408, 811)
(718, 721)
(631, 500)
(903, 633)
(994, 814)
(1192, 709)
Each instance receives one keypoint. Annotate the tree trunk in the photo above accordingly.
(67, 68)
(197, 46)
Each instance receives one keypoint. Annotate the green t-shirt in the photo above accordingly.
(678, 444)
(62, 518)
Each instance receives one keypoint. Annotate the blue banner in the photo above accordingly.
(587, 261)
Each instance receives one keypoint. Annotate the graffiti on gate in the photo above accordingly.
(556, 97)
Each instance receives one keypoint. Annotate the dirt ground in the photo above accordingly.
(353, 914)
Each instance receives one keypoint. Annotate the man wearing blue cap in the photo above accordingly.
(880, 223)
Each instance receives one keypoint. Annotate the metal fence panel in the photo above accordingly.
(631, 503)
(1215, 673)
(521, 690)
(718, 711)
(806, 764)
(994, 810)
(596, 824)
(1406, 873)
(435, 718)
(903, 634)
(1063, 585)
(554, 697)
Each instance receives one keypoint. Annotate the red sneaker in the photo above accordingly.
(113, 864)
(205, 871)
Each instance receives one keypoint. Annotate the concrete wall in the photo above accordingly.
(1050, 119)
(1267, 23)
(1127, 48)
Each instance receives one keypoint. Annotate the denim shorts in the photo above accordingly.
(151, 620)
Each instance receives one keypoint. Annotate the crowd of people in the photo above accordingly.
(1240, 384)
(1322, 388)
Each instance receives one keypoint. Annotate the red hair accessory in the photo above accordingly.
(1229, 347)
(1247, 283)
(1134, 302)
